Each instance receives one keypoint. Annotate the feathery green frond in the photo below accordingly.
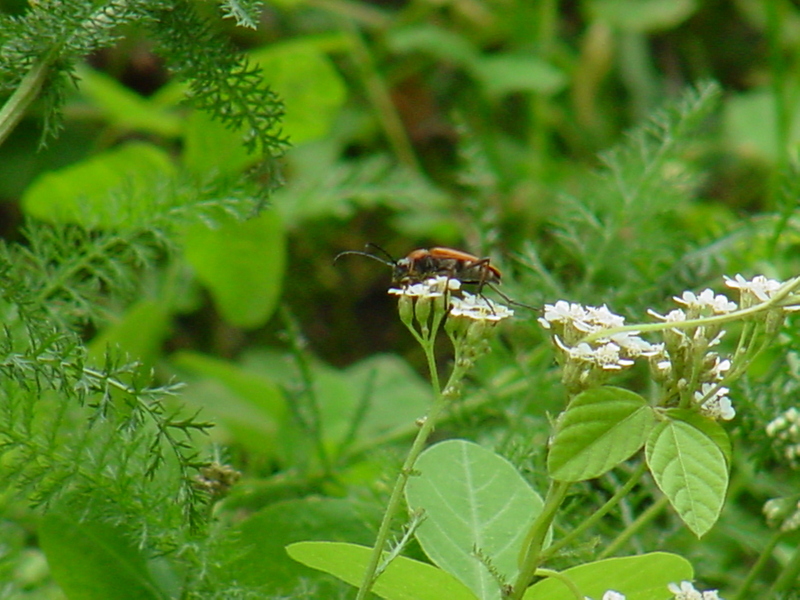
(610, 228)
(221, 80)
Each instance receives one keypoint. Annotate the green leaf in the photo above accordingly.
(690, 469)
(124, 108)
(396, 396)
(599, 429)
(95, 561)
(242, 264)
(434, 41)
(708, 426)
(117, 188)
(210, 147)
(359, 406)
(404, 578)
(642, 577)
(250, 406)
(643, 15)
(751, 124)
(253, 552)
(311, 88)
(139, 333)
(507, 73)
(473, 501)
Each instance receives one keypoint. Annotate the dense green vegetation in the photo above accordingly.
(192, 393)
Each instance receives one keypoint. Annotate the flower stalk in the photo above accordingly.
(424, 308)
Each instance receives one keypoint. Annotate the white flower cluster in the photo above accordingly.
(586, 364)
(478, 308)
(678, 364)
(783, 513)
(466, 306)
(758, 289)
(435, 287)
(610, 595)
(684, 591)
(786, 429)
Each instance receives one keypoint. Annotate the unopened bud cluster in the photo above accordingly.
(785, 430)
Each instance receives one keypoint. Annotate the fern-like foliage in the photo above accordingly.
(220, 79)
(72, 432)
(245, 12)
(38, 52)
(622, 233)
(49, 38)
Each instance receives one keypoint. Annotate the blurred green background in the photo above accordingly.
(600, 151)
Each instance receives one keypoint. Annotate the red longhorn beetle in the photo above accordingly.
(425, 263)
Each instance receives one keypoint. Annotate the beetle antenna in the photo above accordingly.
(382, 251)
(367, 254)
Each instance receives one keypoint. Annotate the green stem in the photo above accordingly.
(531, 555)
(787, 580)
(759, 565)
(15, 107)
(397, 493)
(443, 398)
(563, 579)
(647, 516)
(598, 514)
(781, 294)
(382, 101)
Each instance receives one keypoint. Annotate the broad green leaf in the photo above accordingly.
(709, 426)
(690, 469)
(751, 124)
(94, 561)
(643, 15)
(433, 41)
(117, 188)
(307, 82)
(507, 73)
(474, 501)
(124, 108)
(360, 405)
(250, 406)
(139, 333)
(404, 578)
(254, 550)
(242, 264)
(642, 577)
(599, 429)
(211, 148)
(394, 395)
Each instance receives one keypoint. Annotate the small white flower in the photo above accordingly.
(603, 318)
(718, 304)
(686, 591)
(610, 595)
(718, 405)
(761, 287)
(605, 356)
(562, 312)
(479, 308)
(720, 368)
(430, 288)
(673, 316)
(633, 345)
